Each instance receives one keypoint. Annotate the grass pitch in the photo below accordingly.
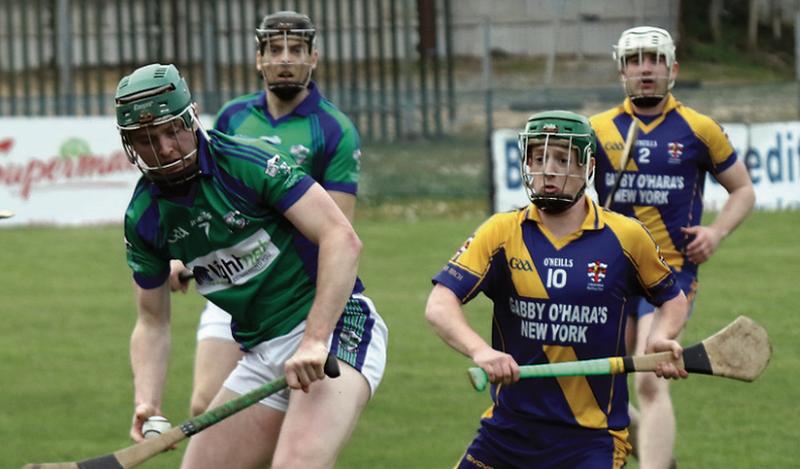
(68, 311)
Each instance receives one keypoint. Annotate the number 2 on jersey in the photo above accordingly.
(644, 155)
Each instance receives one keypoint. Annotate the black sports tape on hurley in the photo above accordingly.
(627, 363)
(189, 428)
(695, 360)
(103, 462)
(185, 275)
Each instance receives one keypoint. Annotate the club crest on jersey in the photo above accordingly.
(596, 272)
(300, 153)
(275, 166)
(675, 150)
(235, 220)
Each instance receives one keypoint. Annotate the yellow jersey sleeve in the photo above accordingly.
(652, 271)
(721, 153)
(470, 267)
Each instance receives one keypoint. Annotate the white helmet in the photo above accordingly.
(641, 40)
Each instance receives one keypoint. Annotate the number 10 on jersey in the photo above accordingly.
(556, 278)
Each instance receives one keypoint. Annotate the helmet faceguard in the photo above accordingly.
(156, 120)
(286, 52)
(554, 145)
(634, 44)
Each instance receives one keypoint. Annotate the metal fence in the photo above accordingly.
(387, 63)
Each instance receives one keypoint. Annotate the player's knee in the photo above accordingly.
(295, 456)
(198, 404)
(650, 387)
(196, 408)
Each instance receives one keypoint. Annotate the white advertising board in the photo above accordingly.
(64, 171)
(72, 171)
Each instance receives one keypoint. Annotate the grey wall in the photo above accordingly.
(572, 27)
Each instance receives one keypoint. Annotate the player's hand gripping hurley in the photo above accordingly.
(136, 454)
(739, 351)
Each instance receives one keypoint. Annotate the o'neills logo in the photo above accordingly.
(235, 265)
(60, 170)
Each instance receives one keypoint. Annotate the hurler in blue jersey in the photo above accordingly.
(559, 272)
(662, 186)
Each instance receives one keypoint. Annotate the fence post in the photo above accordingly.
(487, 84)
(551, 55)
(410, 101)
(63, 23)
(396, 70)
(209, 58)
(797, 56)
(448, 44)
(40, 48)
(12, 69)
(26, 68)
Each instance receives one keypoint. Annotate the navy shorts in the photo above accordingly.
(639, 306)
(546, 446)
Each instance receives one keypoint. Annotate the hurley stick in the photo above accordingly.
(624, 158)
(136, 454)
(739, 351)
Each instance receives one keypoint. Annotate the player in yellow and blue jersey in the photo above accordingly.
(662, 186)
(560, 273)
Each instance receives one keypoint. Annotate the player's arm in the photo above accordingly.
(346, 203)
(149, 349)
(444, 313)
(667, 324)
(741, 198)
(341, 174)
(659, 285)
(318, 218)
(176, 268)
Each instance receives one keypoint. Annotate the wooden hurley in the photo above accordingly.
(739, 351)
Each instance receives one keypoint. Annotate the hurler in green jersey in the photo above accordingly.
(290, 113)
(265, 243)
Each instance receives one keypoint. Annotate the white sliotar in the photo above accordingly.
(155, 426)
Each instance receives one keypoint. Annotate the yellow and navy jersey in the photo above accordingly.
(664, 179)
(560, 300)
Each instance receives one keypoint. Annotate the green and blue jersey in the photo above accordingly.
(229, 229)
(321, 138)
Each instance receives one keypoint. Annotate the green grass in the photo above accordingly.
(450, 167)
(711, 63)
(68, 311)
